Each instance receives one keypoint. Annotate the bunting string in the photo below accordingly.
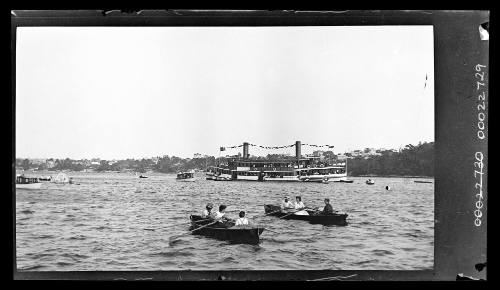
(275, 147)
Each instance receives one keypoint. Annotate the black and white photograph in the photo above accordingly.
(224, 148)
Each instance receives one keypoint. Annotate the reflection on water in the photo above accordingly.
(114, 221)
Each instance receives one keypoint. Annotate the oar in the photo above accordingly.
(315, 209)
(183, 223)
(188, 232)
(291, 213)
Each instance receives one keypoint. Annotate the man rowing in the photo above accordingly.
(220, 216)
(286, 204)
(328, 209)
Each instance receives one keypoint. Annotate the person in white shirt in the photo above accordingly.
(300, 205)
(219, 215)
(242, 221)
(208, 210)
(286, 204)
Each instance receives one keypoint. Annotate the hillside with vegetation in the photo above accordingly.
(409, 161)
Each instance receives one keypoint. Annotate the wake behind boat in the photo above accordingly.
(314, 217)
(225, 231)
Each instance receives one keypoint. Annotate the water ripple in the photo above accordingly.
(116, 221)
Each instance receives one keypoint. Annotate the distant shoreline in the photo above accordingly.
(43, 172)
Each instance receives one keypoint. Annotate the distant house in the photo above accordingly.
(37, 161)
(341, 157)
(50, 163)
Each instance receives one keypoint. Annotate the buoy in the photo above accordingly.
(387, 187)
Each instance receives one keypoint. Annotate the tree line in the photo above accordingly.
(165, 164)
(409, 161)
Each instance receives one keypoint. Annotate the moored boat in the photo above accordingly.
(225, 231)
(186, 176)
(345, 181)
(314, 217)
(370, 182)
(23, 182)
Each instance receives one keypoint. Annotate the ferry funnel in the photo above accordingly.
(245, 150)
(298, 154)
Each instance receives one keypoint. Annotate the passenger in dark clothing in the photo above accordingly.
(328, 209)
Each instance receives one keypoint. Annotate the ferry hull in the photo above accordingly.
(283, 179)
(247, 178)
(186, 179)
(327, 177)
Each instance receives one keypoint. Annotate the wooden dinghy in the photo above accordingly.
(225, 231)
(314, 217)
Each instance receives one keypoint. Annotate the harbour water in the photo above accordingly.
(119, 222)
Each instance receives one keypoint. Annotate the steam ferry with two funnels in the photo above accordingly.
(296, 168)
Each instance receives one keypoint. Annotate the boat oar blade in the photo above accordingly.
(291, 213)
(173, 239)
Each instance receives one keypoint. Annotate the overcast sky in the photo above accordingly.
(133, 92)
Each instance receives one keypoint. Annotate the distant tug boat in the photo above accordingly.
(23, 182)
(186, 176)
(291, 169)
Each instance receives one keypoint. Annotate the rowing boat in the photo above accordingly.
(225, 231)
(314, 217)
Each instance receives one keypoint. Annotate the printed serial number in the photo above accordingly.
(478, 175)
(481, 107)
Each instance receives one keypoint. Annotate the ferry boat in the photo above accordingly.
(23, 182)
(186, 176)
(287, 169)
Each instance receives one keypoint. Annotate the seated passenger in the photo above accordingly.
(219, 215)
(208, 211)
(328, 209)
(242, 221)
(300, 205)
(286, 204)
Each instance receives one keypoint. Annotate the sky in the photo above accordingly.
(134, 92)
